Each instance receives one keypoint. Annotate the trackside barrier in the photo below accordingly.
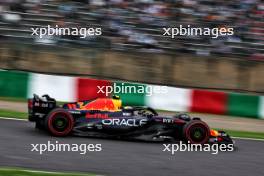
(65, 88)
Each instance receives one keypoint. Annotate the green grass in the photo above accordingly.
(13, 99)
(21, 172)
(13, 114)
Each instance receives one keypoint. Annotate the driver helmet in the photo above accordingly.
(183, 116)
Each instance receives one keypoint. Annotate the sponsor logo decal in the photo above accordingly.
(125, 122)
(98, 116)
(167, 120)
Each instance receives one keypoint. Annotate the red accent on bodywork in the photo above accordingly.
(70, 106)
(179, 121)
(106, 104)
(219, 139)
(100, 104)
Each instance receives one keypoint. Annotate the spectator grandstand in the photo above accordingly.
(136, 25)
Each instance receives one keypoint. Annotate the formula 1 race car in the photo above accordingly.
(106, 117)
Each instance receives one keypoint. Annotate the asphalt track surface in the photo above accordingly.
(124, 158)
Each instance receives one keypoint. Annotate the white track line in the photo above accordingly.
(250, 139)
(10, 118)
(243, 138)
(47, 172)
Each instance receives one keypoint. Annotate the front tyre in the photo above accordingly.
(197, 132)
(59, 122)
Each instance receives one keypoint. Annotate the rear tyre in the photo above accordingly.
(59, 122)
(196, 132)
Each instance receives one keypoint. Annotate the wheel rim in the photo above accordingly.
(198, 134)
(60, 123)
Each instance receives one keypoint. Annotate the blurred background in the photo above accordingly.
(132, 41)
(133, 49)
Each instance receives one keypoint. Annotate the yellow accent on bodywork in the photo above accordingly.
(117, 103)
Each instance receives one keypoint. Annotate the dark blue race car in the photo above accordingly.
(106, 117)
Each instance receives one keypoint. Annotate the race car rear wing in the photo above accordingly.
(40, 106)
